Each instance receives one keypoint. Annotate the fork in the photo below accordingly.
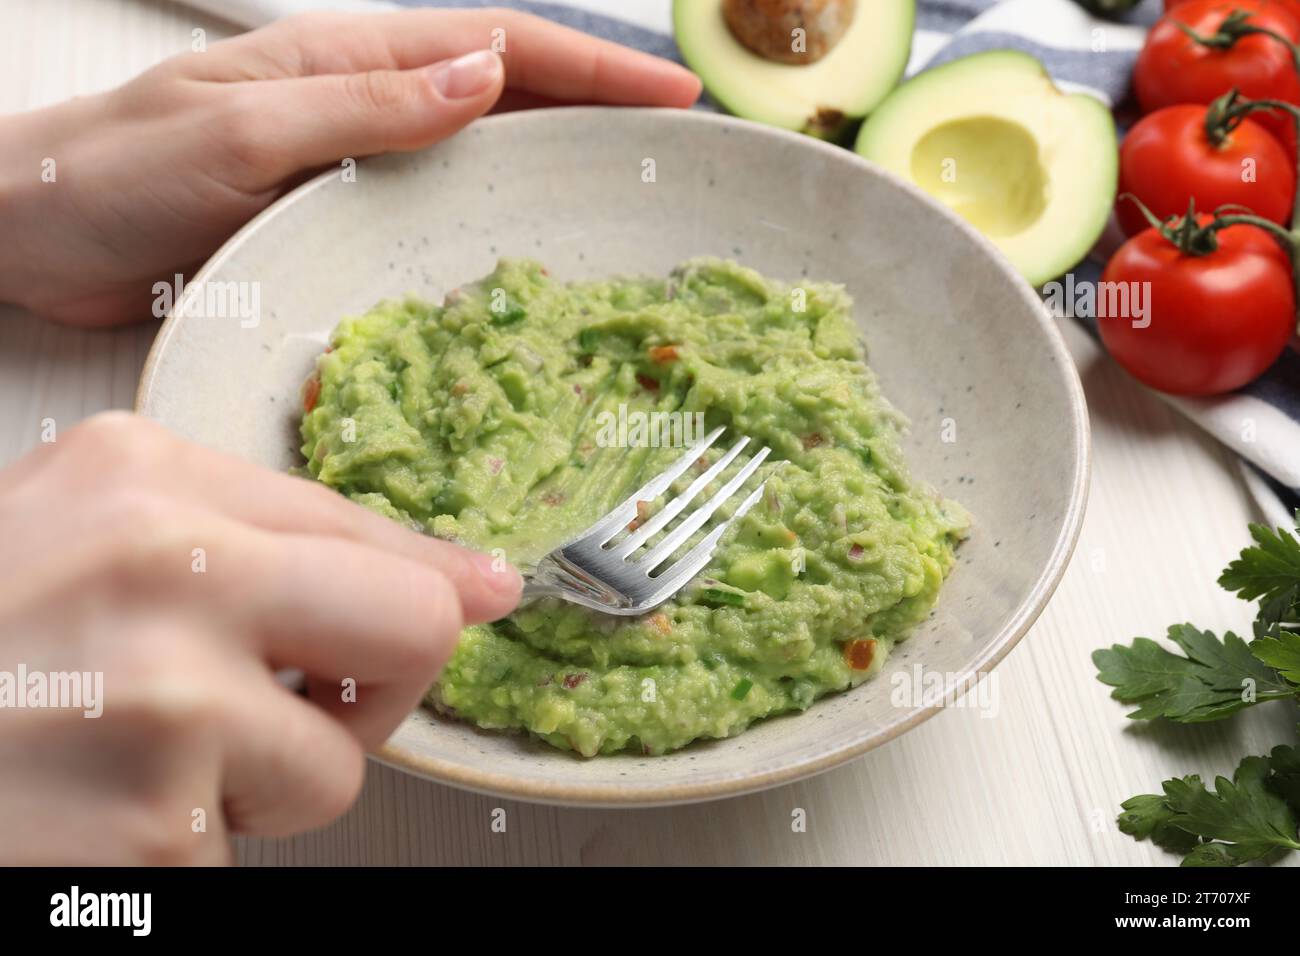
(599, 573)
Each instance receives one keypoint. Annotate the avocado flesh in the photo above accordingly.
(991, 137)
(817, 98)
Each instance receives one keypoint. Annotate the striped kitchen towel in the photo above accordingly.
(1084, 53)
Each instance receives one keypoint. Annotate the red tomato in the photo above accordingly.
(1173, 68)
(1216, 322)
(1291, 6)
(1167, 158)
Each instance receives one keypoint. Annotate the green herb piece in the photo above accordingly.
(509, 316)
(712, 661)
(1268, 572)
(1281, 652)
(1241, 820)
(1285, 762)
(722, 597)
(1252, 816)
(1215, 679)
(1244, 811)
(741, 690)
(1148, 816)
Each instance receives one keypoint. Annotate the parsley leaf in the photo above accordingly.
(1282, 652)
(1148, 816)
(1253, 815)
(1227, 854)
(1240, 820)
(1285, 762)
(1245, 811)
(1268, 572)
(1215, 678)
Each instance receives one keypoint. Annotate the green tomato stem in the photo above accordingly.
(1226, 113)
(1235, 26)
(1193, 239)
(1222, 116)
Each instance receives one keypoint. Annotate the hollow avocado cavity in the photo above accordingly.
(1001, 188)
(991, 137)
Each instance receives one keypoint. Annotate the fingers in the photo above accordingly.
(366, 713)
(311, 121)
(541, 57)
(337, 610)
(371, 630)
(302, 774)
(121, 790)
(487, 589)
(548, 60)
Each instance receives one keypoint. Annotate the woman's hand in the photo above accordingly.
(150, 178)
(187, 578)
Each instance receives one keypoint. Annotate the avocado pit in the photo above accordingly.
(805, 65)
(789, 31)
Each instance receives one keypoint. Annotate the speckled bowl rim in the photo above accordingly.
(580, 794)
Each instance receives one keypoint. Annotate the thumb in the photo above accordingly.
(317, 120)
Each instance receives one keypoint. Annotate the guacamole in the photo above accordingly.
(494, 420)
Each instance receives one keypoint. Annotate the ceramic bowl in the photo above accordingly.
(961, 344)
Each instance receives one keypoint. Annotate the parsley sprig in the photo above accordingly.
(1254, 815)
(1240, 820)
(1269, 572)
(1216, 678)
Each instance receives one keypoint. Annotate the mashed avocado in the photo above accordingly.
(489, 420)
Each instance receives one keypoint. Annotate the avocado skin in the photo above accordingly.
(1108, 7)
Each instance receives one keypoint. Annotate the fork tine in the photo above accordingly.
(695, 560)
(672, 508)
(608, 526)
(674, 539)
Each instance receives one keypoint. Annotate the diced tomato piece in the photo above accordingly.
(642, 512)
(646, 382)
(859, 654)
(663, 354)
(311, 392)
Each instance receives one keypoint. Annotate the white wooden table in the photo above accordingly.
(1037, 784)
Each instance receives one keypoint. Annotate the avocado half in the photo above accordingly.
(991, 137)
(819, 98)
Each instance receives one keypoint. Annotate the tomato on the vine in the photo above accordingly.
(1291, 6)
(1215, 319)
(1168, 157)
(1176, 68)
